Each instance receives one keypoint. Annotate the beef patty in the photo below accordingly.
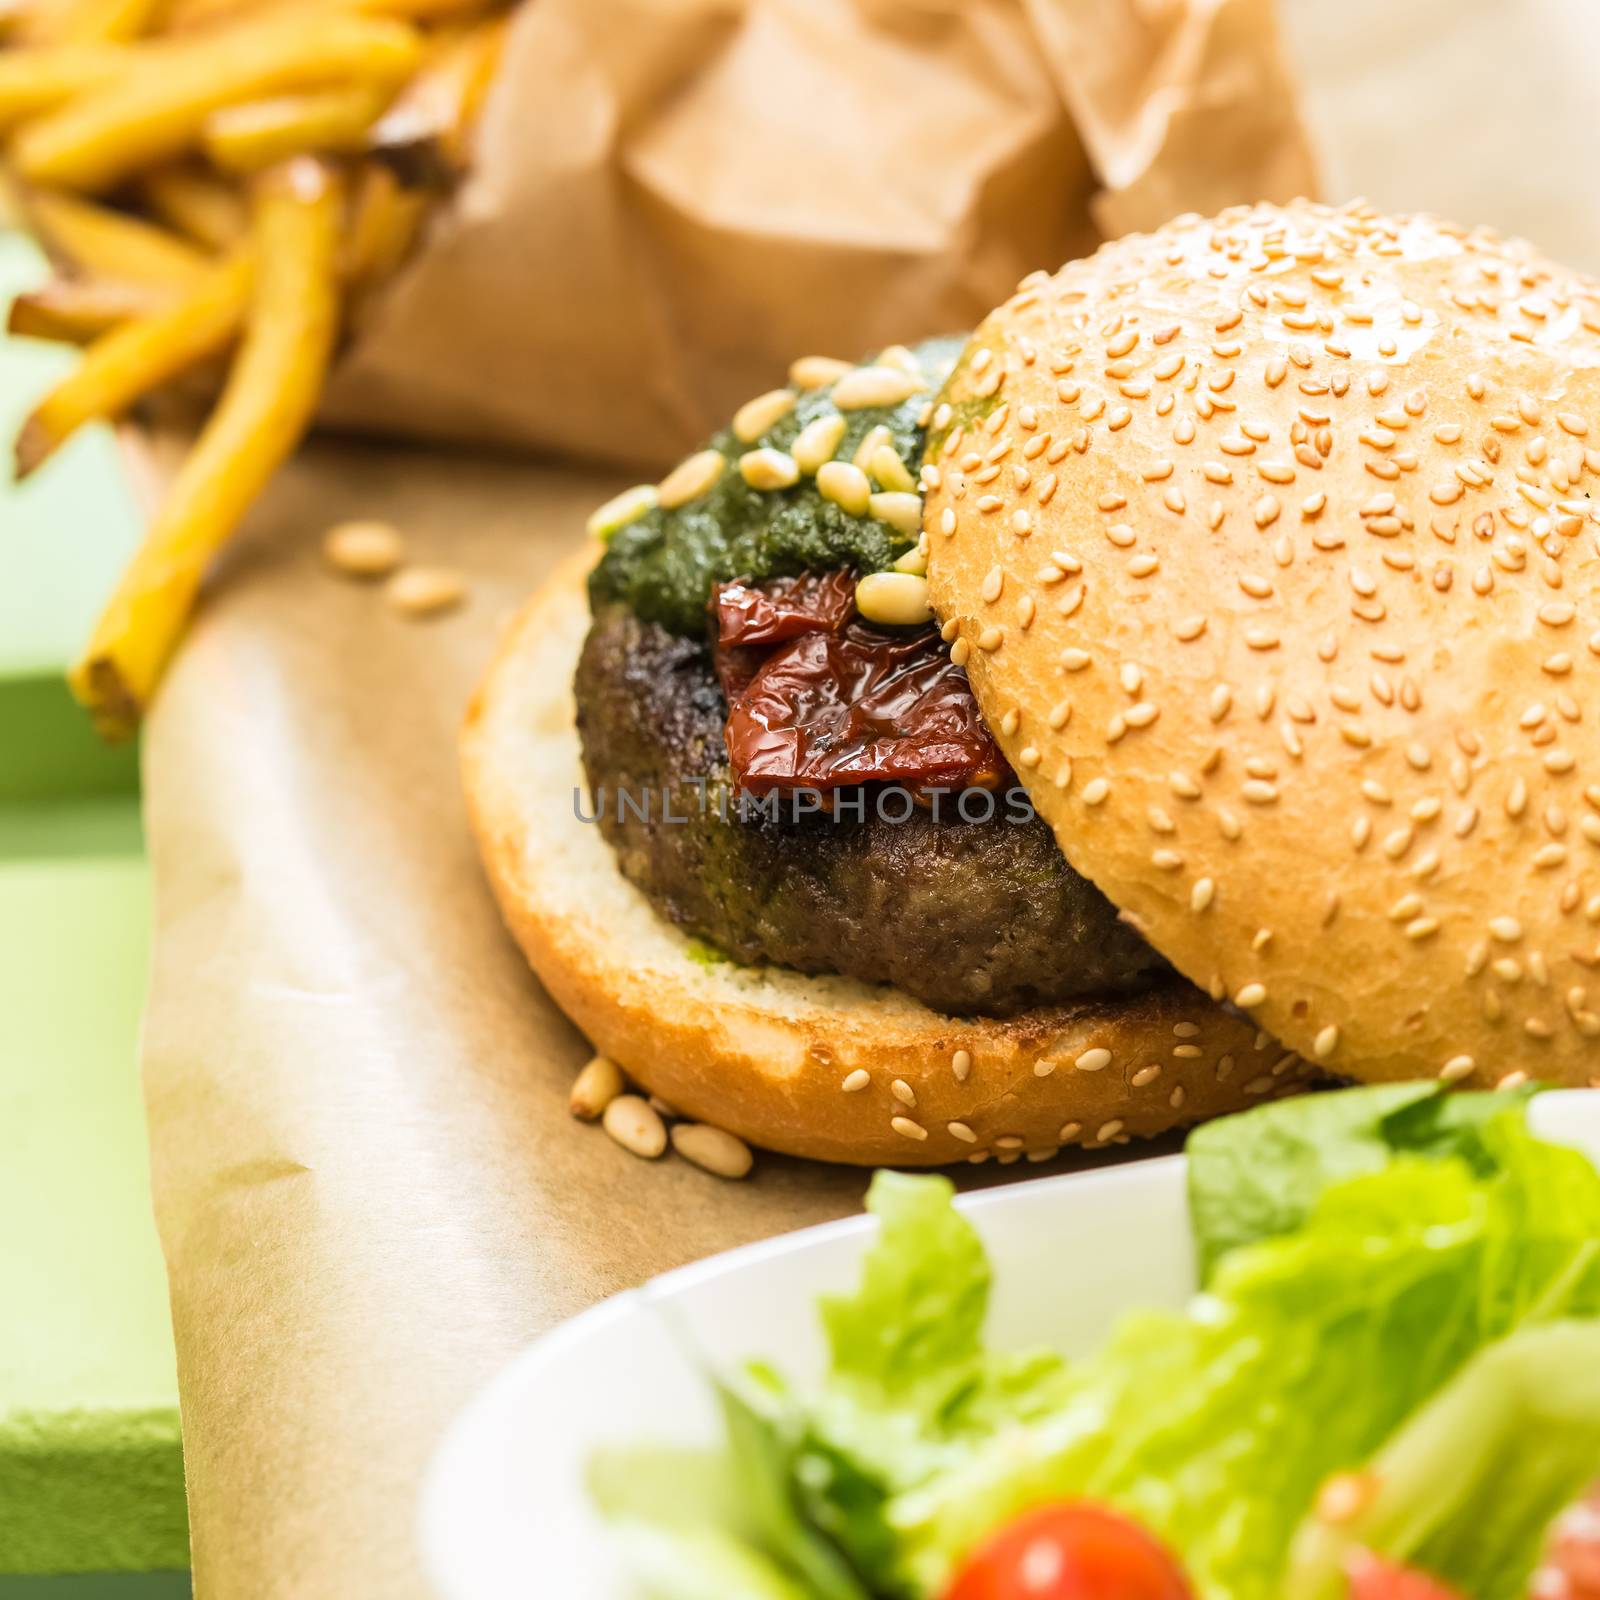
(981, 916)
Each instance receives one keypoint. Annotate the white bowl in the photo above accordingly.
(504, 1508)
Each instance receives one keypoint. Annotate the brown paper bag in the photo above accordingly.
(369, 1189)
(671, 199)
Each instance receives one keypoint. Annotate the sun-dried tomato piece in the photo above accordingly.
(736, 665)
(753, 618)
(829, 710)
(783, 608)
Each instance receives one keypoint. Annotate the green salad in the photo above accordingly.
(1388, 1386)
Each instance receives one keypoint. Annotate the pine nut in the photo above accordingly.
(817, 372)
(890, 471)
(364, 549)
(915, 560)
(903, 512)
(713, 1149)
(846, 486)
(621, 509)
(635, 1126)
(876, 386)
(897, 599)
(768, 469)
(690, 479)
(872, 442)
(426, 591)
(595, 1087)
(898, 356)
(816, 442)
(758, 416)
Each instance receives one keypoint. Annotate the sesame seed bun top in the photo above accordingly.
(1280, 533)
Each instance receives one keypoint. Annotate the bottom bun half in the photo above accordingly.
(824, 1067)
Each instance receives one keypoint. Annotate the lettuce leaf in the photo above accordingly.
(1361, 1256)
(678, 1520)
(911, 1390)
(1260, 1174)
(1466, 1490)
(1215, 1428)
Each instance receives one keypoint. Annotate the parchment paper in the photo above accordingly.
(368, 1187)
(370, 1191)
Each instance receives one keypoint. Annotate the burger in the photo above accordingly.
(1179, 690)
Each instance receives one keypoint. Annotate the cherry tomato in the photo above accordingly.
(1072, 1551)
(1375, 1579)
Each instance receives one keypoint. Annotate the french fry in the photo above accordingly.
(260, 133)
(78, 310)
(38, 79)
(423, 136)
(204, 208)
(10, 203)
(384, 222)
(112, 244)
(185, 14)
(424, 10)
(155, 110)
(141, 355)
(271, 393)
(106, 21)
(33, 21)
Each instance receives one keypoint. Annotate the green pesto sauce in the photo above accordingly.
(665, 563)
(706, 955)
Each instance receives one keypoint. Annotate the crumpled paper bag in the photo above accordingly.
(671, 199)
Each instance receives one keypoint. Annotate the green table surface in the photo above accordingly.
(91, 1477)
(65, 533)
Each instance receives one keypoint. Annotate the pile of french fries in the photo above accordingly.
(218, 182)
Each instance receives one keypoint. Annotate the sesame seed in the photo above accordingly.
(1326, 1042)
(907, 1129)
(959, 1130)
(1093, 1060)
(1253, 994)
(961, 1065)
(856, 1081)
